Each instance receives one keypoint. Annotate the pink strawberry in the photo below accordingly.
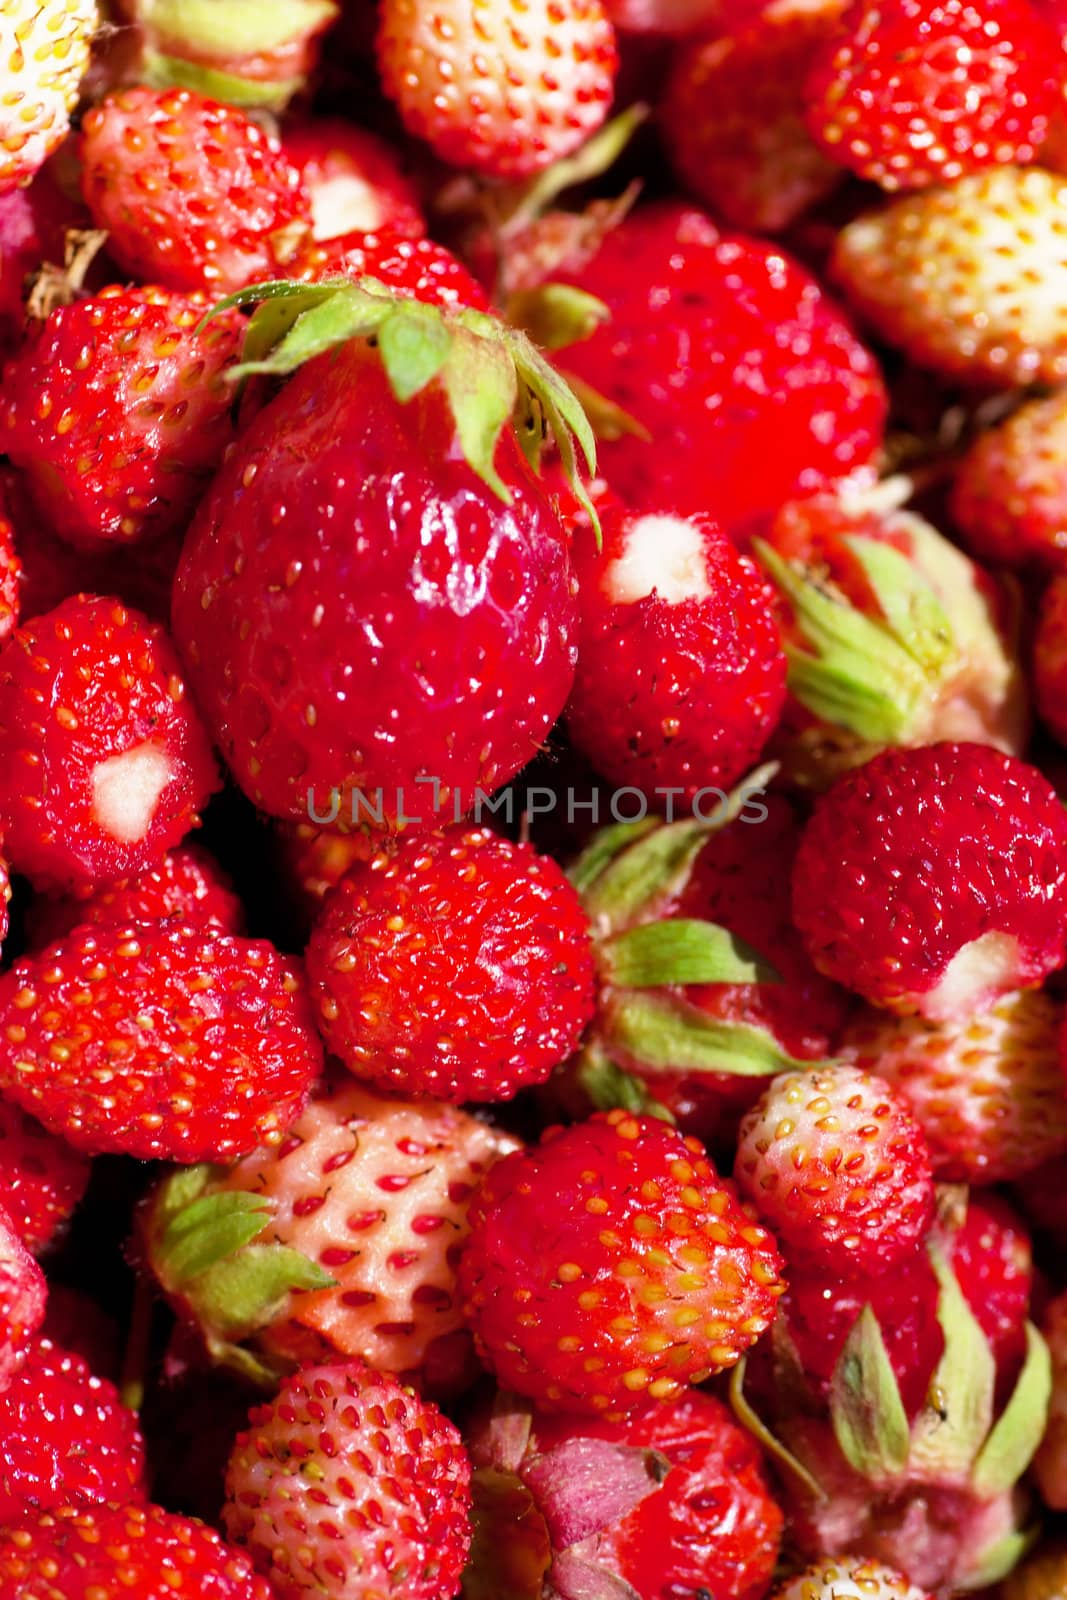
(348, 1486)
(43, 1178)
(1009, 499)
(353, 180)
(681, 675)
(934, 880)
(194, 194)
(158, 1040)
(834, 1161)
(45, 48)
(187, 883)
(609, 1264)
(121, 412)
(107, 761)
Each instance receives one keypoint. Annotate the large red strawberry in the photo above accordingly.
(119, 412)
(194, 194)
(187, 883)
(610, 1264)
(670, 1500)
(935, 880)
(158, 1040)
(353, 180)
(107, 761)
(1009, 498)
(681, 675)
(349, 1234)
(348, 1487)
(44, 45)
(745, 381)
(43, 1178)
(458, 966)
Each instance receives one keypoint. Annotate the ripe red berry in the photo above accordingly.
(419, 267)
(42, 1178)
(187, 883)
(353, 179)
(1009, 499)
(23, 1293)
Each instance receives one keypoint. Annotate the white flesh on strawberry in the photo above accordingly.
(664, 554)
(345, 204)
(126, 791)
(982, 970)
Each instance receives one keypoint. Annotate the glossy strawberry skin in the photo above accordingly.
(23, 1294)
(689, 353)
(186, 883)
(43, 1178)
(122, 412)
(389, 565)
(194, 195)
(1009, 498)
(419, 267)
(108, 761)
(564, 1265)
(213, 1033)
(353, 180)
(458, 966)
(673, 691)
(912, 858)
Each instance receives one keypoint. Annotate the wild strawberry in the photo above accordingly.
(935, 880)
(67, 1437)
(158, 1040)
(609, 1264)
(988, 1089)
(503, 91)
(969, 278)
(120, 412)
(107, 760)
(351, 1232)
(194, 195)
(457, 966)
(43, 1179)
(78, 1323)
(143, 1552)
(186, 883)
(34, 223)
(722, 350)
(1050, 657)
(1050, 1463)
(834, 1161)
(45, 49)
(11, 573)
(353, 181)
(848, 1578)
(23, 1293)
(918, 92)
(1009, 499)
(421, 268)
(667, 1501)
(312, 861)
(418, 555)
(681, 675)
(346, 1448)
(892, 635)
(733, 118)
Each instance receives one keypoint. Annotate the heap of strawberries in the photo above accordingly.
(533, 882)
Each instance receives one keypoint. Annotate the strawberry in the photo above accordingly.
(141, 1552)
(350, 1486)
(505, 92)
(722, 350)
(338, 1256)
(969, 278)
(1009, 498)
(417, 267)
(681, 675)
(67, 1437)
(11, 573)
(43, 1178)
(23, 1293)
(186, 883)
(733, 118)
(158, 1040)
(1050, 657)
(892, 635)
(609, 1264)
(682, 19)
(194, 195)
(834, 1161)
(353, 180)
(312, 861)
(457, 966)
(107, 761)
(668, 1501)
(78, 1323)
(933, 881)
(120, 413)
(1050, 1463)
(987, 1089)
(848, 1577)
(34, 222)
(417, 555)
(918, 92)
(45, 50)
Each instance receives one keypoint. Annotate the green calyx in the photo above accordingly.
(664, 1033)
(206, 1247)
(219, 30)
(162, 71)
(492, 374)
(872, 675)
(609, 1088)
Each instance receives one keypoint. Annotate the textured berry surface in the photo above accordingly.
(43, 1178)
(836, 1164)
(848, 1578)
(934, 879)
(23, 1293)
(120, 412)
(458, 966)
(194, 194)
(353, 180)
(187, 883)
(419, 267)
(1010, 495)
(107, 761)
(345, 1435)
(614, 1243)
(193, 1045)
(44, 45)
